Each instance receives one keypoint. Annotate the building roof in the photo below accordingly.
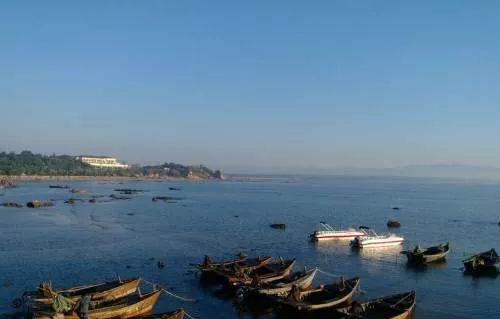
(96, 156)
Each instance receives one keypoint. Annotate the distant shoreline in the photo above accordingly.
(61, 178)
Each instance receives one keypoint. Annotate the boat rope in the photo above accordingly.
(169, 292)
(401, 300)
(177, 296)
(328, 274)
(359, 290)
(188, 315)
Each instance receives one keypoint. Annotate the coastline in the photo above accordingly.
(62, 178)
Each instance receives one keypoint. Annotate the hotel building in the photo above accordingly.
(101, 161)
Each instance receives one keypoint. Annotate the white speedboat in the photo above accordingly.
(328, 232)
(372, 239)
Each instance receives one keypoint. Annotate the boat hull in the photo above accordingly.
(283, 290)
(428, 256)
(379, 243)
(99, 293)
(309, 298)
(399, 306)
(327, 235)
(123, 311)
(266, 274)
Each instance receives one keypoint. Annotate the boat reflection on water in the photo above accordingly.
(332, 246)
(390, 253)
(426, 267)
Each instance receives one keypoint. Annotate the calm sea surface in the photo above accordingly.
(82, 243)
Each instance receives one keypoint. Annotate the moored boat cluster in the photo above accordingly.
(273, 282)
(116, 299)
(486, 263)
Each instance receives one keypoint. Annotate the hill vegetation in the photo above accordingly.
(28, 163)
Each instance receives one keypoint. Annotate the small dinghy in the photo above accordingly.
(487, 263)
(327, 232)
(302, 279)
(372, 239)
(398, 306)
(428, 255)
(327, 296)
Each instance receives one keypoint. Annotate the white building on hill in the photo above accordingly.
(102, 161)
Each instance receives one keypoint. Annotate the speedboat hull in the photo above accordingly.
(379, 241)
(321, 235)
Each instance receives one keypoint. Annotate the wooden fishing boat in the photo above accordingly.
(327, 296)
(328, 232)
(102, 292)
(127, 307)
(485, 263)
(242, 263)
(428, 255)
(398, 306)
(269, 272)
(302, 279)
(177, 314)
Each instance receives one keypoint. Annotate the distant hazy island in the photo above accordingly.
(27, 163)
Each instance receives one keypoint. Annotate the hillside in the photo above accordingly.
(28, 163)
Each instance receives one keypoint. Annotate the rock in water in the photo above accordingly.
(393, 223)
(9, 204)
(38, 204)
(278, 226)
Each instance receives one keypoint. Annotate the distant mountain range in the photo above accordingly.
(436, 170)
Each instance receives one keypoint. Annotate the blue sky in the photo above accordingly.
(254, 84)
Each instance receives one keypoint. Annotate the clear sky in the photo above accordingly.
(253, 84)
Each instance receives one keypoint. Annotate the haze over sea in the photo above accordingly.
(81, 243)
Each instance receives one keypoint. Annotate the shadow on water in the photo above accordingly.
(420, 268)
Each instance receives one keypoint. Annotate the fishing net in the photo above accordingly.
(61, 304)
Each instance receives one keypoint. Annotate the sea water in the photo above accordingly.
(91, 242)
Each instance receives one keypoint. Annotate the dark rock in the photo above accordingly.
(130, 214)
(128, 191)
(92, 200)
(236, 216)
(118, 197)
(78, 191)
(278, 226)
(59, 186)
(38, 204)
(164, 198)
(14, 205)
(393, 223)
(395, 208)
(174, 188)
